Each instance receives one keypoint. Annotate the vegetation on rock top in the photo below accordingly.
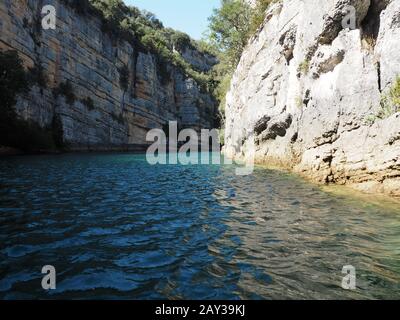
(390, 104)
(231, 27)
(146, 32)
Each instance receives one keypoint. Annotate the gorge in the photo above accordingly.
(321, 98)
(305, 89)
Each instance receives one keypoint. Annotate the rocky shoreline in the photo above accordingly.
(313, 94)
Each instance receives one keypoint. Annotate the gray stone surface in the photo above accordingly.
(201, 62)
(80, 52)
(328, 80)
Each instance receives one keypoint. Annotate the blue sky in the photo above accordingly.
(189, 16)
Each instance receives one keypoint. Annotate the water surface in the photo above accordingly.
(115, 227)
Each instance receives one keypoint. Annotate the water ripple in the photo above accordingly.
(116, 228)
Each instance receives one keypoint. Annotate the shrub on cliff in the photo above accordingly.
(230, 28)
(390, 103)
(13, 80)
(181, 40)
(304, 67)
(88, 102)
(394, 94)
(112, 10)
(81, 6)
(233, 24)
(37, 76)
(258, 15)
(145, 30)
(65, 89)
(14, 131)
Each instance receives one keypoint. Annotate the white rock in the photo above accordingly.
(304, 65)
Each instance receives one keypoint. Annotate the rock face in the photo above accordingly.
(201, 62)
(306, 87)
(79, 53)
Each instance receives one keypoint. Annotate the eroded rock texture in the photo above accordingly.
(79, 51)
(305, 86)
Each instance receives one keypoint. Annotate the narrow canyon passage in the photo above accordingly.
(111, 109)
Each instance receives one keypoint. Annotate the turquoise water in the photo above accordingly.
(115, 227)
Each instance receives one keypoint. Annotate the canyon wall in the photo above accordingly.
(105, 113)
(309, 92)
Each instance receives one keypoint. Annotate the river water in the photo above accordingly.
(115, 227)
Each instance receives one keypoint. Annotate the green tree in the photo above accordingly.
(113, 10)
(145, 30)
(229, 28)
(181, 40)
(258, 15)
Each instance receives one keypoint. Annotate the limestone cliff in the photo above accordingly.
(81, 56)
(310, 90)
